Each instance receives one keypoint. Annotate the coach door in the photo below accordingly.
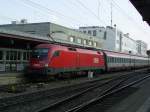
(78, 61)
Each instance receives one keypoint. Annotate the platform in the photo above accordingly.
(10, 78)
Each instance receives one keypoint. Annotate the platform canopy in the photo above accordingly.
(143, 6)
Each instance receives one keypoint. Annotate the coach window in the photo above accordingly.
(117, 60)
(108, 59)
(112, 59)
(128, 60)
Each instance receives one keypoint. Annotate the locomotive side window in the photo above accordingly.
(56, 53)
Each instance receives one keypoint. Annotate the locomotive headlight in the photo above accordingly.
(46, 65)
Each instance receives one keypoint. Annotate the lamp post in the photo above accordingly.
(130, 58)
(11, 55)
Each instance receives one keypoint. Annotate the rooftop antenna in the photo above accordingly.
(99, 9)
(111, 13)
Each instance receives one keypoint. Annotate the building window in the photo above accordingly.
(105, 35)
(71, 39)
(24, 55)
(7, 55)
(84, 31)
(79, 41)
(1, 55)
(90, 43)
(31, 32)
(94, 32)
(95, 44)
(89, 32)
(84, 42)
(19, 55)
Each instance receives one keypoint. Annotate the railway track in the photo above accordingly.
(63, 97)
(81, 101)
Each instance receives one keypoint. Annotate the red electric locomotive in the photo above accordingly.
(50, 59)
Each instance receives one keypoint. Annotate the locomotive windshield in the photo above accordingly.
(40, 53)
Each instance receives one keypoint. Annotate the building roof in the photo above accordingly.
(22, 35)
(143, 6)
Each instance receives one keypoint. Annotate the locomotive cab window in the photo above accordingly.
(40, 53)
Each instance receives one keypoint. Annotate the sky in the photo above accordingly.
(76, 13)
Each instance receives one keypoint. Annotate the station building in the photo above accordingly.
(115, 40)
(141, 47)
(56, 33)
(18, 40)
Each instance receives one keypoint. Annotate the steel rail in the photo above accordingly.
(54, 105)
(93, 101)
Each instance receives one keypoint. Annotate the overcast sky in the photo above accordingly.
(75, 13)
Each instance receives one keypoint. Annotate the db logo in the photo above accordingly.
(96, 60)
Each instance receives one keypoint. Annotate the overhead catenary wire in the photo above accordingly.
(91, 12)
(80, 13)
(133, 21)
(50, 11)
(98, 9)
